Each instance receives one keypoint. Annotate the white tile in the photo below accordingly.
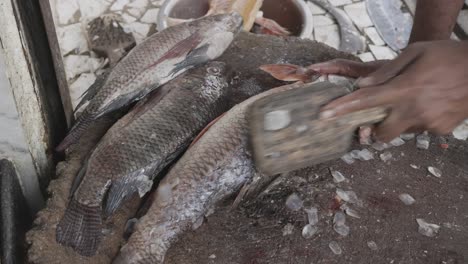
(67, 11)
(358, 13)
(139, 30)
(322, 20)
(382, 52)
(340, 2)
(71, 38)
(374, 36)
(91, 9)
(328, 34)
(315, 9)
(137, 8)
(151, 16)
(77, 64)
(118, 5)
(365, 57)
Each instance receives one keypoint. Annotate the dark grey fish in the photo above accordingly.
(351, 40)
(215, 167)
(157, 60)
(391, 23)
(139, 146)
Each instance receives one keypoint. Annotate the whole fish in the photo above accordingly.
(215, 167)
(138, 147)
(157, 60)
(250, 12)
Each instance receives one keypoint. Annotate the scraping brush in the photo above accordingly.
(287, 133)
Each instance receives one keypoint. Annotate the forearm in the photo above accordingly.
(435, 19)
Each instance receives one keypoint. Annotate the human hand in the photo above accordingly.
(425, 88)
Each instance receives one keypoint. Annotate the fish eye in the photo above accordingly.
(213, 70)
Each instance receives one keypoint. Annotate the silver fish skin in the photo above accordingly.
(138, 147)
(157, 60)
(215, 167)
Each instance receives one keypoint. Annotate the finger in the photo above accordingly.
(393, 126)
(391, 69)
(343, 67)
(365, 135)
(361, 99)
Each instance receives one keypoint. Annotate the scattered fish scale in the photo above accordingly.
(435, 171)
(348, 158)
(335, 248)
(294, 202)
(379, 146)
(312, 215)
(427, 229)
(372, 245)
(397, 142)
(350, 211)
(288, 229)
(309, 231)
(423, 141)
(342, 230)
(386, 156)
(338, 176)
(407, 137)
(339, 218)
(363, 155)
(406, 199)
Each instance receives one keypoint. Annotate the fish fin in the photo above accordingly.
(204, 130)
(180, 49)
(252, 189)
(194, 57)
(80, 228)
(78, 178)
(92, 90)
(122, 190)
(289, 72)
(271, 27)
(81, 125)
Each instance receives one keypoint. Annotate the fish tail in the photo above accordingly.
(122, 191)
(81, 125)
(289, 72)
(80, 228)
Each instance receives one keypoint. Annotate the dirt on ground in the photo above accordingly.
(266, 231)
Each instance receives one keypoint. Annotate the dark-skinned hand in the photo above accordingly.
(424, 89)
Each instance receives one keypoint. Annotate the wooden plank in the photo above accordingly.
(31, 74)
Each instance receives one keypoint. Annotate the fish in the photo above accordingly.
(157, 60)
(138, 147)
(217, 166)
(250, 12)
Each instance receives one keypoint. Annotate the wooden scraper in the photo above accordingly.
(287, 134)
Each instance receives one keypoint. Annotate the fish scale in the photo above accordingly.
(144, 142)
(160, 58)
(214, 168)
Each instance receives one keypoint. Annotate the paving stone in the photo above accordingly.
(315, 9)
(382, 52)
(92, 8)
(118, 5)
(78, 64)
(151, 16)
(358, 13)
(340, 2)
(323, 21)
(72, 39)
(328, 34)
(374, 36)
(66, 11)
(365, 57)
(139, 30)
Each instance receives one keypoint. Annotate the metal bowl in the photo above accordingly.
(294, 15)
